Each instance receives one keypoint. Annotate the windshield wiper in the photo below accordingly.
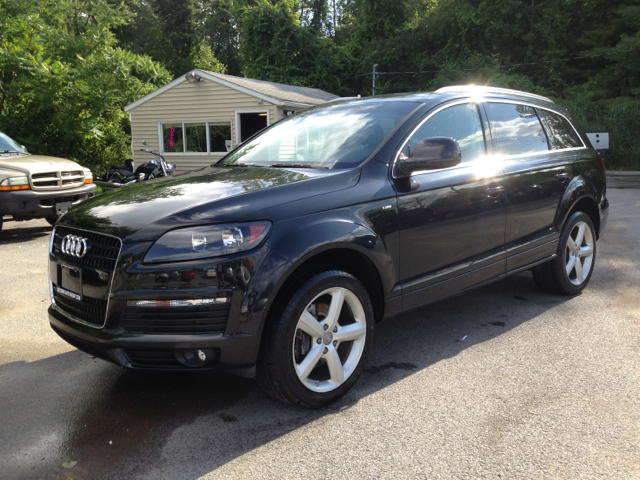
(12, 151)
(295, 165)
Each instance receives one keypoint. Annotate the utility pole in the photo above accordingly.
(375, 65)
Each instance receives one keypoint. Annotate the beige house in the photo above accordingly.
(198, 117)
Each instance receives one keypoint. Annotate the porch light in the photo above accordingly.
(193, 78)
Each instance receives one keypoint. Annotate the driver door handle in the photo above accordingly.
(495, 191)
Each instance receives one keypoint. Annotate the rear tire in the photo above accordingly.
(570, 272)
(315, 350)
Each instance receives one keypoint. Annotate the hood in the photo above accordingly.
(35, 163)
(144, 211)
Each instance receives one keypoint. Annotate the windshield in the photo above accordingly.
(328, 136)
(7, 144)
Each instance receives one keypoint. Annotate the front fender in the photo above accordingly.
(302, 238)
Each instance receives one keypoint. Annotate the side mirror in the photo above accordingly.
(144, 142)
(429, 154)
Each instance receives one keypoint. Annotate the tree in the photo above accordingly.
(64, 81)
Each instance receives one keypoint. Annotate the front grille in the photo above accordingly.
(102, 255)
(188, 320)
(53, 180)
(91, 310)
(37, 176)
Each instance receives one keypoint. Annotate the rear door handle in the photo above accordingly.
(494, 191)
(562, 177)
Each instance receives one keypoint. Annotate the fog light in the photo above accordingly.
(197, 357)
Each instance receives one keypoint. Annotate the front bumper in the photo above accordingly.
(154, 352)
(27, 204)
(245, 279)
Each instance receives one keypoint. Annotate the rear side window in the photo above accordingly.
(515, 129)
(460, 122)
(560, 132)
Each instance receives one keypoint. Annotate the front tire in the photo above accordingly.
(570, 272)
(316, 349)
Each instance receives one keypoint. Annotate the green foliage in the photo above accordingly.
(620, 117)
(64, 81)
(68, 67)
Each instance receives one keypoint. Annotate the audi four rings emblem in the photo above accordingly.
(75, 246)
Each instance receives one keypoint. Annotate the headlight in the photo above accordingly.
(88, 176)
(209, 241)
(14, 183)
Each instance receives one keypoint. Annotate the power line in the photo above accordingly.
(485, 68)
(505, 66)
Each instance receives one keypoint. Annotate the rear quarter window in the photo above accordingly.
(560, 132)
(515, 129)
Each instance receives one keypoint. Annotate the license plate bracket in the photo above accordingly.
(70, 282)
(62, 207)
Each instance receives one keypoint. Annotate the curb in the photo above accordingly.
(623, 179)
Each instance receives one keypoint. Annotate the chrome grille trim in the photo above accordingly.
(109, 284)
(56, 180)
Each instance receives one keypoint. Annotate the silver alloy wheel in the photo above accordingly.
(579, 253)
(329, 340)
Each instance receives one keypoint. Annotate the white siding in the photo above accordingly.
(186, 102)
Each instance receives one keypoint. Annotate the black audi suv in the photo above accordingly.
(278, 260)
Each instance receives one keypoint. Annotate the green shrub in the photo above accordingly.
(620, 117)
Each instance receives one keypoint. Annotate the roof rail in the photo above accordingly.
(483, 89)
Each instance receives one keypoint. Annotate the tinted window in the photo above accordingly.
(560, 132)
(460, 122)
(341, 135)
(515, 129)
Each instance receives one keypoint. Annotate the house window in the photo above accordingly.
(196, 137)
(172, 137)
(219, 137)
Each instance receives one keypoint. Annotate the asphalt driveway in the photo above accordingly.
(541, 386)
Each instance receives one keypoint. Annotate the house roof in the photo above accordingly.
(280, 91)
(276, 93)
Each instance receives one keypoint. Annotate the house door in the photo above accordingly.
(251, 123)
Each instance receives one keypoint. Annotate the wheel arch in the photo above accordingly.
(579, 196)
(347, 257)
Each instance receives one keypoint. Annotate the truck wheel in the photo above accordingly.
(570, 272)
(316, 349)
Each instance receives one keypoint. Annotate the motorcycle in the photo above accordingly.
(122, 175)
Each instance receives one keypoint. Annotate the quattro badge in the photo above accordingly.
(75, 246)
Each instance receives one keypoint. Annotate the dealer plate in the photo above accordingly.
(70, 282)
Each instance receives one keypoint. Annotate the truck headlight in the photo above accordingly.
(14, 183)
(208, 241)
(88, 176)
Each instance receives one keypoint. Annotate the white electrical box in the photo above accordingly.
(599, 140)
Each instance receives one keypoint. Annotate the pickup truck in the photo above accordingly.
(38, 186)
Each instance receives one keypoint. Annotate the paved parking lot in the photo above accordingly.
(541, 387)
